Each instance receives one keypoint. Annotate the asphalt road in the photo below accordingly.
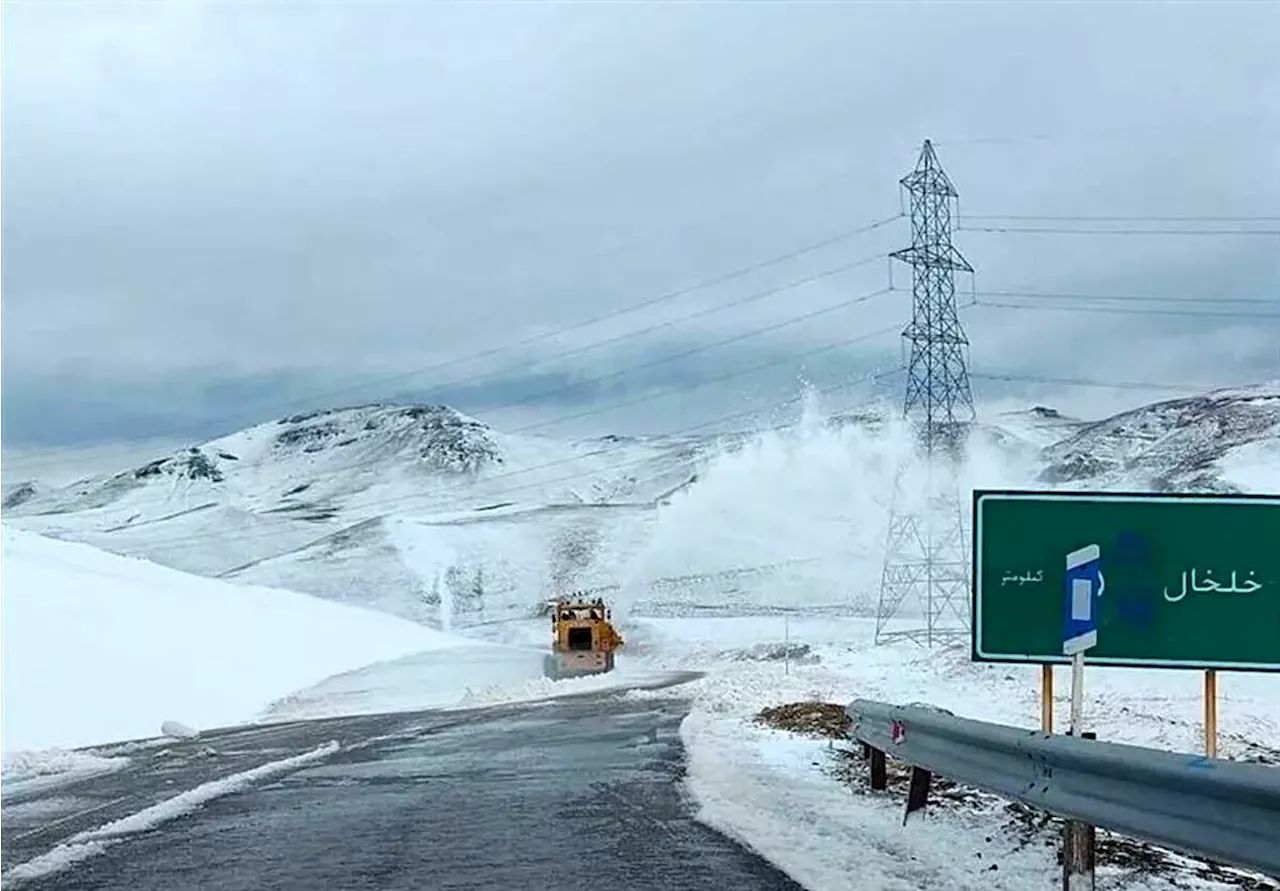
(579, 794)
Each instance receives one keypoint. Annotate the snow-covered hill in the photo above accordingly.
(303, 466)
(313, 502)
(14, 495)
(428, 514)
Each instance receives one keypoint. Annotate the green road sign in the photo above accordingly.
(1188, 581)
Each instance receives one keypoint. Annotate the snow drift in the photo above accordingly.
(99, 648)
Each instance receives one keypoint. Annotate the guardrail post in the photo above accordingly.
(1078, 850)
(917, 791)
(879, 771)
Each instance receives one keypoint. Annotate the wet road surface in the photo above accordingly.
(580, 793)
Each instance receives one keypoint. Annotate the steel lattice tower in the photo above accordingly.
(926, 555)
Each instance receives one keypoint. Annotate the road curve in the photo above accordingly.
(577, 793)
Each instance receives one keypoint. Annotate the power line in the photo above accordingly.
(1058, 230)
(1126, 298)
(646, 397)
(284, 406)
(444, 501)
(1123, 310)
(1090, 382)
(754, 332)
(442, 504)
(844, 304)
(667, 391)
(1210, 126)
(669, 323)
(1264, 218)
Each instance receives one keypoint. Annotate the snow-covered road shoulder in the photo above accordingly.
(805, 804)
(26, 772)
(773, 791)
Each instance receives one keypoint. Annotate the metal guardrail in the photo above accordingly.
(1223, 811)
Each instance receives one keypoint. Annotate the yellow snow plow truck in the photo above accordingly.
(583, 638)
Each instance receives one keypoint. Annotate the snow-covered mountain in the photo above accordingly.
(1204, 443)
(314, 502)
(432, 515)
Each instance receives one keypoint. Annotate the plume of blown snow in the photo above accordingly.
(815, 497)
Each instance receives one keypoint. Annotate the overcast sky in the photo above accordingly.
(217, 213)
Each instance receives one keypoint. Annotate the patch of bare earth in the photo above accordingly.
(810, 718)
(1027, 826)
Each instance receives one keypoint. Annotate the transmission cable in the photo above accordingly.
(1125, 298)
(1057, 230)
(1089, 382)
(1125, 310)
(400, 499)
(277, 409)
(645, 397)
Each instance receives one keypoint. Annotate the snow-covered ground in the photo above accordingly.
(98, 647)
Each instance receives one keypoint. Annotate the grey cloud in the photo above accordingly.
(291, 195)
(74, 407)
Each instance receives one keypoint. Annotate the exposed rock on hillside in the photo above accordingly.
(443, 439)
(1173, 445)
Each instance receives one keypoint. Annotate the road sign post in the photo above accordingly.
(1046, 698)
(1084, 583)
(1211, 713)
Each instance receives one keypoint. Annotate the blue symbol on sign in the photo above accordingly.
(1132, 549)
(1138, 589)
(1137, 611)
(1084, 584)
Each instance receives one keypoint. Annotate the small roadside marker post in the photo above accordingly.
(786, 644)
(1084, 584)
(1046, 697)
(1210, 713)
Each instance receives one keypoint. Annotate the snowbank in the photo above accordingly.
(99, 648)
(24, 773)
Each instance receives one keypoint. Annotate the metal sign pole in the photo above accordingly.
(1084, 583)
(1211, 713)
(1077, 693)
